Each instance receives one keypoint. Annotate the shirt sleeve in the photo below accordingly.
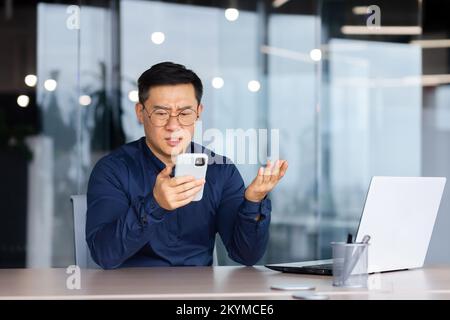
(244, 237)
(117, 226)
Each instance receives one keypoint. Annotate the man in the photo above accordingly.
(140, 215)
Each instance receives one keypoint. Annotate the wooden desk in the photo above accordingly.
(213, 283)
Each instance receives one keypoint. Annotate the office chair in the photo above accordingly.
(82, 254)
(83, 257)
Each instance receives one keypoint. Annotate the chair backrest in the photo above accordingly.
(215, 260)
(82, 255)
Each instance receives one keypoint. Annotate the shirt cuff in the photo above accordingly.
(152, 210)
(252, 209)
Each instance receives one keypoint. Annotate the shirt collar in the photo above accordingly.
(154, 160)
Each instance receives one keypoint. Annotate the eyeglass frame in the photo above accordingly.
(149, 115)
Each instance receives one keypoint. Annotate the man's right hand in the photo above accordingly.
(172, 193)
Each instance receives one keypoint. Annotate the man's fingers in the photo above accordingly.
(283, 168)
(267, 171)
(260, 171)
(180, 180)
(276, 168)
(278, 172)
(187, 194)
(166, 171)
(184, 202)
(260, 176)
(273, 173)
(188, 185)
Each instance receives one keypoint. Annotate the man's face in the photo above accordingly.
(173, 137)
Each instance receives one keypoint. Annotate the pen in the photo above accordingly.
(347, 257)
(349, 238)
(355, 257)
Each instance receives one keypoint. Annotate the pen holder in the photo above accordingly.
(350, 263)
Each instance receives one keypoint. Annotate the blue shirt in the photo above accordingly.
(126, 227)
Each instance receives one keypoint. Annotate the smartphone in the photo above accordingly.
(192, 164)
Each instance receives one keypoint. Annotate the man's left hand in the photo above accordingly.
(266, 180)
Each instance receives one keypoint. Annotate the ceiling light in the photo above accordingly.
(382, 30)
(231, 14)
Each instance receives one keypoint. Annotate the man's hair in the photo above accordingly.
(168, 73)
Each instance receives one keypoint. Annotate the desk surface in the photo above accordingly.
(213, 283)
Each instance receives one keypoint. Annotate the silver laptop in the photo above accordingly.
(399, 215)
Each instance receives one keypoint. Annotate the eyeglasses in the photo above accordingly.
(160, 117)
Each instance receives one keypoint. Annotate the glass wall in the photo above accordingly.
(313, 82)
(370, 119)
